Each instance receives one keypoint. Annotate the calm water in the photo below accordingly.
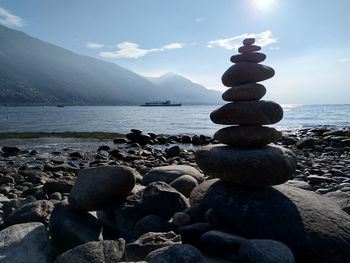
(168, 120)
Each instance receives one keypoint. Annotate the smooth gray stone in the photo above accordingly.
(255, 57)
(250, 91)
(247, 136)
(269, 165)
(97, 188)
(25, 243)
(246, 72)
(313, 227)
(175, 254)
(184, 184)
(341, 198)
(248, 49)
(248, 113)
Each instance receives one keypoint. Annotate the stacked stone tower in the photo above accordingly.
(246, 156)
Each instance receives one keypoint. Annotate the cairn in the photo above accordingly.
(246, 156)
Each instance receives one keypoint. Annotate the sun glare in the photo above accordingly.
(264, 5)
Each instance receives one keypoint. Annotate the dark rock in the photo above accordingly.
(254, 57)
(69, 228)
(103, 148)
(142, 139)
(184, 184)
(186, 139)
(191, 233)
(172, 151)
(120, 140)
(38, 211)
(314, 228)
(248, 112)
(97, 188)
(7, 180)
(136, 131)
(58, 185)
(151, 223)
(269, 165)
(176, 254)
(317, 179)
(306, 143)
(181, 219)
(247, 136)
(248, 41)
(170, 173)
(246, 72)
(107, 251)
(10, 150)
(248, 49)
(75, 155)
(196, 140)
(265, 251)
(245, 92)
(149, 242)
(156, 199)
(25, 243)
(341, 198)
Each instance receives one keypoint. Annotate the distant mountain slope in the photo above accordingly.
(181, 89)
(34, 72)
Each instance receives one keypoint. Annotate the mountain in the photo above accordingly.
(34, 72)
(181, 89)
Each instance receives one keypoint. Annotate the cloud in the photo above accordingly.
(132, 50)
(200, 19)
(94, 45)
(344, 60)
(11, 20)
(262, 39)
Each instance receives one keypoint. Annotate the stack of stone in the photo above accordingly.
(247, 158)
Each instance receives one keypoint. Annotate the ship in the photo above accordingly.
(160, 103)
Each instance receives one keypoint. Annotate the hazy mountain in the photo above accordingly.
(34, 72)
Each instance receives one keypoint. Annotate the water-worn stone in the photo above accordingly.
(170, 173)
(248, 49)
(246, 72)
(25, 243)
(59, 185)
(38, 211)
(248, 41)
(341, 198)
(184, 184)
(97, 188)
(69, 228)
(268, 165)
(247, 136)
(245, 92)
(191, 233)
(156, 199)
(248, 113)
(181, 219)
(108, 251)
(255, 57)
(10, 151)
(314, 228)
(151, 223)
(265, 251)
(149, 242)
(175, 254)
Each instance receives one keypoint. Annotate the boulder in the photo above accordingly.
(10, 151)
(341, 198)
(250, 91)
(268, 165)
(248, 113)
(169, 173)
(176, 254)
(246, 72)
(97, 188)
(108, 251)
(25, 243)
(314, 228)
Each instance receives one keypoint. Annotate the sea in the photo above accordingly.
(159, 120)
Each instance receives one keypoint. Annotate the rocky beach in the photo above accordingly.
(249, 193)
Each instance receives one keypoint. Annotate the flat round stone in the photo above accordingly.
(247, 136)
(248, 49)
(246, 72)
(269, 165)
(249, 41)
(250, 91)
(248, 112)
(255, 57)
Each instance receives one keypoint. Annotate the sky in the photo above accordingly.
(306, 42)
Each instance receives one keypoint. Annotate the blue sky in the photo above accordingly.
(306, 42)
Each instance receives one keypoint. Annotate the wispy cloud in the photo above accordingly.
(94, 45)
(344, 60)
(262, 39)
(11, 20)
(132, 50)
(200, 19)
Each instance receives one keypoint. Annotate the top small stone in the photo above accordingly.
(248, 41)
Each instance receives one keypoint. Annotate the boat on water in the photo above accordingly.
(160, 103)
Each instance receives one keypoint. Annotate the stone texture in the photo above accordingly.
(314, 228)
(255, 57)
(341, 198)
(170, 173)
(151, 223)
(246, 72)
(176, 254)
(250, 91)
(97, 188)
(184, 184)
(108, 251)
(247, 136)
(25, 243)
(248, 113)
(248, 41)
(269, 165)
(149, 242)
(265, 251)
(248, 49)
